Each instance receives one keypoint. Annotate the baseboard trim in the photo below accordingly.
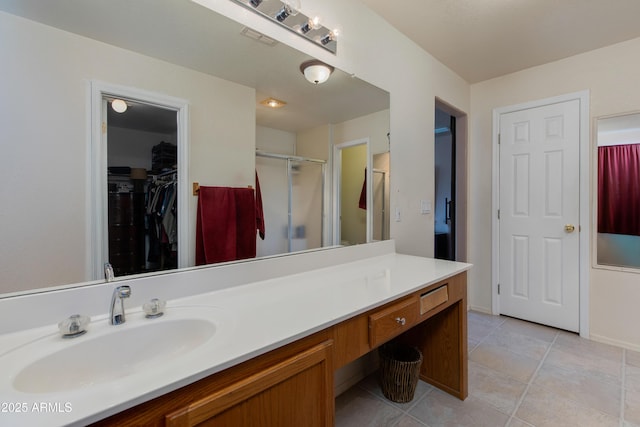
(617, 343)
(479, 309)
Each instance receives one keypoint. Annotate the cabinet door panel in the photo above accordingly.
(297, 391)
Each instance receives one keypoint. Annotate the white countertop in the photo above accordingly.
(253, 319)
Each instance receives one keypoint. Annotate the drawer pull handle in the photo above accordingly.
(401, 320)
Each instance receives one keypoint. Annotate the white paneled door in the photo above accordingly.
(539, 214)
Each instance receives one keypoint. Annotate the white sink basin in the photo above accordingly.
(109, 353)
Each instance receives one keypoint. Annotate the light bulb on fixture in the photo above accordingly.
(119, 106)
(289, 8)
(311, 24)
(316, 71)
(331, 36)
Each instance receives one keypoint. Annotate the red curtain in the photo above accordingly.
(619, 189)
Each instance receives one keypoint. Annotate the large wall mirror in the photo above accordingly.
(618, 210)
(54, 53)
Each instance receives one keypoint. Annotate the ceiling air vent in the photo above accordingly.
(253, 34)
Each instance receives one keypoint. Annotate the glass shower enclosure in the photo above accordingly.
(292, 189)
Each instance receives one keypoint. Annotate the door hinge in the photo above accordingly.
(498, 288)
(498, 213)
(499, 137)
(104, 127)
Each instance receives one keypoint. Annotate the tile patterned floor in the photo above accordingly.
(520, 374)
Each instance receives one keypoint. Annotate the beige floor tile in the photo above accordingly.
(582, 387)
(483, 318)
(518, 343)
(517, 422)
(533, 330)
(372, 384)
(357, 407)
(581, 346)
(438, 409)
(408, 421)
(632, 407)
(517, 366)
(633, 358)
(543, 408)
(567, 356)
(632, 378)
(495, 388)
(479, 331)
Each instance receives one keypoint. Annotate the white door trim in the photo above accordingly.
(97, 172)
(337, 169)
(585, 223)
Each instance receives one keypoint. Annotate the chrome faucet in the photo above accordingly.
(116, 311)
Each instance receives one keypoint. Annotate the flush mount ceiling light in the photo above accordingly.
(316, 71)
(119, 106)
(273, 103)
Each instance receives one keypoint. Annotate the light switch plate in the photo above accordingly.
(425, 206)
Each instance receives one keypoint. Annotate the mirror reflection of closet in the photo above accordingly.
(142, 186)
(618, 199)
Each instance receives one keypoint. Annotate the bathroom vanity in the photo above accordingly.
(277, 344)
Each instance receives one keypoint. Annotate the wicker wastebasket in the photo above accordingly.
(399, 371)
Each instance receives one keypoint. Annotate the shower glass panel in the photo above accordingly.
(307, 192)
(293, 203)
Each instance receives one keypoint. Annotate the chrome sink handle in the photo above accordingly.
(116, 310)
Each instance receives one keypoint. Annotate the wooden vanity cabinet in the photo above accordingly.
(293, 385)
(288, 387)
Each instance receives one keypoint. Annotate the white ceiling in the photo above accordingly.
(185, 33)
(483, 39)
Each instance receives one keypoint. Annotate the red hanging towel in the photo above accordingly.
(362, 203)
(259, 209)
(225, 225)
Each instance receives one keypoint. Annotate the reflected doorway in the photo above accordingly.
(142, 186)
(133, 154)
(353, 190)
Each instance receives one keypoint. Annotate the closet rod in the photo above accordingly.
(288, 157)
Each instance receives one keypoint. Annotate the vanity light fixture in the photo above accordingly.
(289, 8)
(316, 71)
(119, 106)
(273, 103)
(287, 14)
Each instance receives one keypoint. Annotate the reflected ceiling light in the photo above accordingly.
(119, 106)
(311, 24)
(289, 8)
(316, 71)
(273, 103)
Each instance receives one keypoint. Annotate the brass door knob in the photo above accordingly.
(569, 228)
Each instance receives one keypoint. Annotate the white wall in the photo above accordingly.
(43, 117)
(611, 76)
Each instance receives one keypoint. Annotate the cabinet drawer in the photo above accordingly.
(392, 321)
(433, 298)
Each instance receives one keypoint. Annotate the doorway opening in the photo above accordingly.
(450, 183)
(138, 181)
(353, 202)
(142, 187)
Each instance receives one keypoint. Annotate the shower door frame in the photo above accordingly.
(289, 160)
